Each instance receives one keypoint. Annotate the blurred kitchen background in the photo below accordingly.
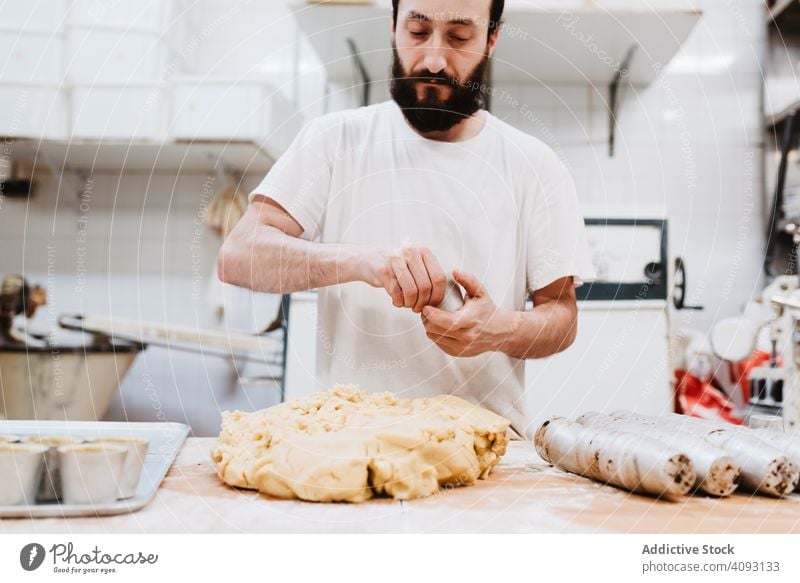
(131, 128)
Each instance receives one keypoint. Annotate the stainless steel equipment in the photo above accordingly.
(774, 388)
(56, 376)
(787, 327)
(17, 297)
(64, 379)
(165, 441)
(72, 373)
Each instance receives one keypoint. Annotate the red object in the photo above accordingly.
(702, 399)
(743, 367)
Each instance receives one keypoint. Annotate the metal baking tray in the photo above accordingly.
(165, 440)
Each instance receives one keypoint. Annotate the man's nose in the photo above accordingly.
(435, 56)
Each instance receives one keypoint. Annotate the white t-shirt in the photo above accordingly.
(499, 205)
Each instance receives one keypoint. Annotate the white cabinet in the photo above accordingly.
(218, 109)
(232, 109)
(83, 69)
(113, 56)
(31, 58)
(116, 56)
(620, 360)
(32, 15)
(88, 70)
(117, 112)
(31, 67)
(32, 111)
(123, 14)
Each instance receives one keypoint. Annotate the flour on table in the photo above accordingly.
(349, 445)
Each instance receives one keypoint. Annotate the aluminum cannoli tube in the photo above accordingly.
(627, 460)
(765, 469)
(716, 471)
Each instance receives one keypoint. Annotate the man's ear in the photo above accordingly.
(493, 39)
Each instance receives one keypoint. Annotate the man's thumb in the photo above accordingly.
(469, 282)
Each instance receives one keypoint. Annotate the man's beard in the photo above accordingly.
(432, 114)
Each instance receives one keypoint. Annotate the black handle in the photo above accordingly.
(679, 292)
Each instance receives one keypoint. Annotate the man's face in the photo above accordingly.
(440, 54)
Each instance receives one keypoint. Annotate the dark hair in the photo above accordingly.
(495, 14)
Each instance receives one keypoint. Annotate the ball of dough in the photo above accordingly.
(349, 445)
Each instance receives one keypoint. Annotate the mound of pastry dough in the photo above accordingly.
(348, 445)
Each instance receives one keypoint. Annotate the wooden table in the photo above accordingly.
(523, 494)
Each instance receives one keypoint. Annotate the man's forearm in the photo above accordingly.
(266, 259)
(547, 329)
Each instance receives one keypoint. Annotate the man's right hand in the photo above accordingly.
(264, 252)
(411, 275)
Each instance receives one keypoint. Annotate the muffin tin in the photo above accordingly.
(83, 468)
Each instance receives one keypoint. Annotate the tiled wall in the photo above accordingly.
(113, 223)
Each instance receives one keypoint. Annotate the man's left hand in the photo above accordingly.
(478, 327)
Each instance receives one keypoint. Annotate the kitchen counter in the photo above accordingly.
(523, 494)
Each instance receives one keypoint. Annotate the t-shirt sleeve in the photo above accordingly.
(300, 179)
(556, 245)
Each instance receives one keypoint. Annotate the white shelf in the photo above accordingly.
(781, 98)
(141, 156)
(33, 31)
(780, 8)
(176, 126)
(120, 28)
(219, 108)
(774, 119)
(538, 46)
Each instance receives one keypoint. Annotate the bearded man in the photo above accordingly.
(380, 207)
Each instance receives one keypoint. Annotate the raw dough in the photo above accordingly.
(348, 445)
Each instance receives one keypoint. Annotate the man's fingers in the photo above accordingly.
(393, 289)
(406, 281)
(421, 279)
(436, 276)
